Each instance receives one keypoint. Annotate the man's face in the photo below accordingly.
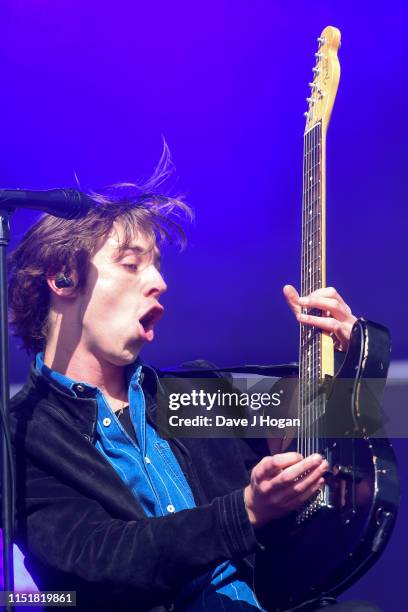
(119, 307)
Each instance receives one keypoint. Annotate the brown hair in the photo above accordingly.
(53, 245)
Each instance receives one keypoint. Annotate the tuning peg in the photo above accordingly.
(312, 85)
(319, 55)
(316, 70)
(306, 114)
(321, 40)
(310, 100)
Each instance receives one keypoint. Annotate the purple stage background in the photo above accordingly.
(88, 90)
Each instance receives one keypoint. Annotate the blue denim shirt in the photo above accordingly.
(153, 474)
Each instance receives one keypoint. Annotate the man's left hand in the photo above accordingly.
(337, 318)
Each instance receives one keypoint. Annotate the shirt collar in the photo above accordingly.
(136, 373)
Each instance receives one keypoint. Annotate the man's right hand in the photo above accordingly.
(281, 484)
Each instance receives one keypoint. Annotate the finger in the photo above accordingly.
(299, 500)
(333, 326)
(289, 475)
(269, 467)
(339, 310)
(329, 292)
(292, 298)
(303, 484)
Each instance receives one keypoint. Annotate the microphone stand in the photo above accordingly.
(7, 489)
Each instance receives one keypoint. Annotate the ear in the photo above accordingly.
(64, 284)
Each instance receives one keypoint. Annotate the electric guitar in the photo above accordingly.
(341, 531)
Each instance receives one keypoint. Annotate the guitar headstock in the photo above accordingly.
(326, 76)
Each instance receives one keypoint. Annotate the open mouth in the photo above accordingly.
(150, 318)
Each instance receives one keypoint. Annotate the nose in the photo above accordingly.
(155, 284)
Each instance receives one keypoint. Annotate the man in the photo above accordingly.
(105, 506)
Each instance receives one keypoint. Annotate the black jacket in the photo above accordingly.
(81, 528)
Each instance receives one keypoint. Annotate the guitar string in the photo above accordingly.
(319, 284)
(311, 285)
(322, 401)
(308, 287)
(303, 289)
(316, 227)
(306, 292)
(313, 268)
(311, 288)
(320, 280)
(322, 398)
(300, 398)
(309, 217)
(300, 401)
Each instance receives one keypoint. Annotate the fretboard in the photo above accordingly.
(312, 213)
(316, 358)
(313, 251)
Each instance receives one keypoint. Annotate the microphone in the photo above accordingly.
(65, 203)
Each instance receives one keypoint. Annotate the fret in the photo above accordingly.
(311, 235)
(310, 274)
(312, 201)
(314, 336)
(308, 263)
(310, 170)
(310, 206)
(311, 253)
(312, 226)
(310, 287)
(307, 189)
(311, 219)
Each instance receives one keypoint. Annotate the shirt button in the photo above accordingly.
(171, 508)
(147, 460)
(80, 388)
(106, 422)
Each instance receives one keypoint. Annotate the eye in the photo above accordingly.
(132, 267)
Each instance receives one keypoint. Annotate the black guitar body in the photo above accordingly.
(340, 534)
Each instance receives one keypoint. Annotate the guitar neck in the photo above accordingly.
(313, 269)
(316, 348)
(316, 358)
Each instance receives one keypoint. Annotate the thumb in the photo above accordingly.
(292, 298)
